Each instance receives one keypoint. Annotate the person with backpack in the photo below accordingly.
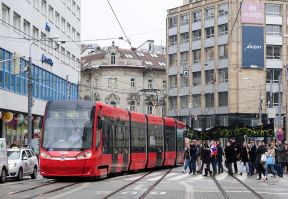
(260, 160)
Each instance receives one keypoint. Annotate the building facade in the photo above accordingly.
(224, 62)
(131, 79)
(50, 30)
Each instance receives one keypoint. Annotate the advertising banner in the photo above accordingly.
(252, 47)
(252, 12)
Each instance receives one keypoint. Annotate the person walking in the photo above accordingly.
(270, 161)
(193, 155)
(220, 157)
(229, 157)
(206, 159)
(213, 158)
(198, 161)
(236, 155)
(280, 158)
(187, 159)
(244, 158)
(252, 158)
(260, 151)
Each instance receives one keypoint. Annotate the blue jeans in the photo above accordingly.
(187, 164)
(220, 166)
(271, 167)
(251, 167)
(214, 164)
(193, 166)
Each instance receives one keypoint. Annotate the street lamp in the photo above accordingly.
(260, 100)
(30, 86)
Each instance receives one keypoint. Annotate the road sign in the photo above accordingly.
(280, 136)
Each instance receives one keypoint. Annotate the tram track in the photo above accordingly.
(226, 195)
(148, 190)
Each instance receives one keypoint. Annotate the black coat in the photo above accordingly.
(206, 156)
(193, 152)
(229, 154)
(261, 150)
(244, 154)
(219, 153)
(187, 154)
(252, 154)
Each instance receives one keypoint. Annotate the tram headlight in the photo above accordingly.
(84, 155)
(45, 155)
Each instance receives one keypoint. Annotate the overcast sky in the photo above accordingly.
(140, 19)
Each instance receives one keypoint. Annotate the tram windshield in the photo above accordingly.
(68, 130)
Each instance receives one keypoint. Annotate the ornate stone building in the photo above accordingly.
(131, 79)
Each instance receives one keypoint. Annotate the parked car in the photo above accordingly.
(22, 162)
(3, 160)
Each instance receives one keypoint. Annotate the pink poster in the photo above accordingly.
(253, 12)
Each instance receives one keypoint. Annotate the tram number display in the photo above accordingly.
(68, 114)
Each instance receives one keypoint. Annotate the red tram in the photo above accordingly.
(92, 139)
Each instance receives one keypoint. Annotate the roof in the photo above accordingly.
(146, 59)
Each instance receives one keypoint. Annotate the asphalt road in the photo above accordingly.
(175, 185)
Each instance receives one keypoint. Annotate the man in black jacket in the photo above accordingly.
(193, 154)
(252, 157)
(229, 157)
(261, 150)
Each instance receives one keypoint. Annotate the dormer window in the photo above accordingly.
(113, 58)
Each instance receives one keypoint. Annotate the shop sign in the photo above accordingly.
(47, 60)
(47, 27)
(7, 117)
(252, 12)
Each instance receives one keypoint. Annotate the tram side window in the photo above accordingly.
(138, 137)
(180, 140)
(106, 136)
(155, 137)
(170, 138)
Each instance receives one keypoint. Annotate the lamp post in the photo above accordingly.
(260, 100)
(30, 87)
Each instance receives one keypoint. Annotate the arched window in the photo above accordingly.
(113, 58)
(113, 103)
(132, 106)
(150, 108)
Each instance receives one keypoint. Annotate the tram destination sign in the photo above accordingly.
(68, 114)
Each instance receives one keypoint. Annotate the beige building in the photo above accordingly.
(208, 83)
(131, 79)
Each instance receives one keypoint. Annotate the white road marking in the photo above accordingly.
(83, 186)
(180, 176)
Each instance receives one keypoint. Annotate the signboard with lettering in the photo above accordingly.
(46, 60)
(252, 47)
(252, 12)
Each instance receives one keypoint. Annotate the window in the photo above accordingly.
(275, 30)
(44, 7)
(16, 22)
(113, 58)
(73, 33)
(57, 19)
(196, 35)
(69, 4)
(273, 75)
(68, 30)
(173, 60)
(36, 4)
(209, 100)
(184, 80)
(173, 103)
(196, 101)
(223, 99)
(184, 37)
(26, 28)
(223, 120)
(35, 33)
(77, 36)
(223, 51)
(51, 14)
(172, 21)
(74, 7)
(275, 98)
(273, 52)
(196, 16)
(132, 106)
(43, 42)
(78, 12)
(112, 83)
(132, 83)
(223, 75)
(73, 60)
(209, 13)
(164, 85)
(273, 10)
(184, 58)
(5, 14)
(196, 56)
(223, 9)
(63, 54)
(172, 40)
(63, 24)
(150, 84)
(209, 76)
(184, 101)
(68, 57)
(150, 108)
(209, 32)
(173, 81)
(196, 78)
(184, 19)
(223, 29)
(209, 52)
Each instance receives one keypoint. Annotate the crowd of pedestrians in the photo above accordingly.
(254, 158)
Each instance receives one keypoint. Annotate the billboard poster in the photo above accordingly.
(252, 12)
(252, 47)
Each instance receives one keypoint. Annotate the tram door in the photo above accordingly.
(115, 149)
(125, 145)
(160, 145)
